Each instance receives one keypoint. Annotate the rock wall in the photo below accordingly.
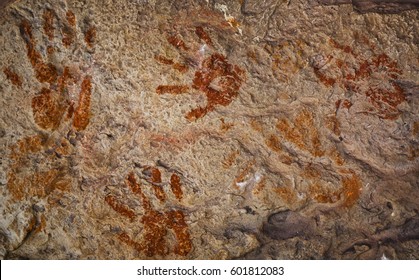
(378, 6)
(208, 130)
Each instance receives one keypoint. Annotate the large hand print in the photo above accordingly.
(156, 224)
(53, 103)
(219, 80)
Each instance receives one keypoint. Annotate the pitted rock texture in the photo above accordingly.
(144, 129)
(377, 6)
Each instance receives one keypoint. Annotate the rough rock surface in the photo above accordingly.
(208, 130)
(377, 6)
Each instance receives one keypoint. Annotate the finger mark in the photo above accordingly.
(119, 207)
(200, 32)
(71, 18)
(124, 237)
(69, 33)
(182, 68)
(43, 72)
(159, 193)
(13, 77)
(163, 60)
(177, 43)
(63, 80)
(176, 187)
(48, 17)
(136, 189)
(90, 36)
(197, 113)
(82, 112)
(155, 178)
(68, 36)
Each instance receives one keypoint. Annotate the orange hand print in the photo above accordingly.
(26, 153)
(364, 76)
(219, 80)
(156, 224)
(53, 103)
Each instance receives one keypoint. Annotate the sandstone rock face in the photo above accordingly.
(208, 130)
(377, 6)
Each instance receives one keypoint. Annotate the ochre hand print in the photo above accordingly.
(363, 75)
(23, 182)
(301, 133)
(219, 80)
(156, 224)
(53, 104)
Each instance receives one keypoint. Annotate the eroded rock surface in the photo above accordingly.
(377, 6)
(208, 130)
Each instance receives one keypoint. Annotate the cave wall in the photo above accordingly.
(376, 6)
(208, 130)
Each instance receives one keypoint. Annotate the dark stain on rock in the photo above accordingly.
(287, 224)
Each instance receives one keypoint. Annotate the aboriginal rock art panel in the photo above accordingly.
(157, 224)
(371, 75)
(218, 79)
